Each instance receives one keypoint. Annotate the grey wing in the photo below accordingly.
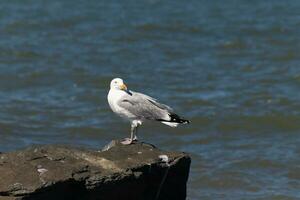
(156, 103)
(145, 107)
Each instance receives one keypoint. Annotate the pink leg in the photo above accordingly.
(127, 141)
(133, 136)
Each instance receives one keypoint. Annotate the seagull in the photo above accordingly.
(137, 108)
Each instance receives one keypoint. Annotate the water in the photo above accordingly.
(232, 68)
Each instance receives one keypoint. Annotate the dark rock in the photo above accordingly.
(137, 171)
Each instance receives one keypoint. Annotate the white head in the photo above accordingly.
(118, 84)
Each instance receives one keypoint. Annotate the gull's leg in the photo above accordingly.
(132, 134)
(135, 133)
(138, 123)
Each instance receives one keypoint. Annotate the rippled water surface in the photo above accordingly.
(232, 68)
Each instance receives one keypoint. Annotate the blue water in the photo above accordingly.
(231, 67)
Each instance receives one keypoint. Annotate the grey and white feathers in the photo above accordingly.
(138, 107)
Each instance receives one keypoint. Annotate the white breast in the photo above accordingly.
(113, 97)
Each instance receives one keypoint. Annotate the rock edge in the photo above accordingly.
(136, 172)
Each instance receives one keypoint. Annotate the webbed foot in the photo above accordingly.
(127, 141)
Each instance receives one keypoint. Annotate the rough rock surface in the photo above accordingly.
(136, 172)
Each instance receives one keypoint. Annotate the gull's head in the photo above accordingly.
(118, 84)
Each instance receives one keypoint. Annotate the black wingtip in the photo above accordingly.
(185, 121)
(177, 119)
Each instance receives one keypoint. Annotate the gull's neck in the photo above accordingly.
(116, 92)
(120, 92)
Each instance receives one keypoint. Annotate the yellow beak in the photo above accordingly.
(123, 87)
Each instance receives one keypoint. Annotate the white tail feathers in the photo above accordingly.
(172, 124)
